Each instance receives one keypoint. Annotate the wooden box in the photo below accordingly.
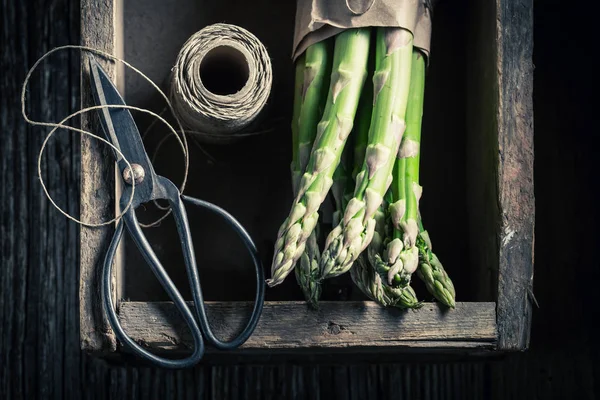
(477, 173)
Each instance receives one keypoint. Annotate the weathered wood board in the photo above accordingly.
(514, 36)
(97, 181)
(292, 325)
(500, 163)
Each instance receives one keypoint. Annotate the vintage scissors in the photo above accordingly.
(120, 130)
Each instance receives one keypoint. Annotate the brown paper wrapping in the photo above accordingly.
(317, 20)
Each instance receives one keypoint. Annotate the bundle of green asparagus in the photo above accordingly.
(361, 141)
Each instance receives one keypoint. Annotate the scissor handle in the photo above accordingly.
(130, 220)
(170, 192)
(182, 224)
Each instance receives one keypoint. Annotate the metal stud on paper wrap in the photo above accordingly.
(220, 82)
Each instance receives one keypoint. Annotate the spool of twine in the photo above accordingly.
(220, 82)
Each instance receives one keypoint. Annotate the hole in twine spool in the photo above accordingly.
(224, 70)
(220, 82)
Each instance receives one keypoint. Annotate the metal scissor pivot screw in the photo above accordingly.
(138, 174)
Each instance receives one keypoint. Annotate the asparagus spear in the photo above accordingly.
(404, 296)
(307, 272)
(341, 188)
(307, 269)
(298, 85)
(362, 273)
(390, 264)
(432, 272)
(311, 256)
(315, 79)
(354, 152)
(312, 77)
(410, 151)
(430, 269)
(371, 284)
(347, 79)
(391, 83)
(401, 257)
(353, 155)
(362, 124)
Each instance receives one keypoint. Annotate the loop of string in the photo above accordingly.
(61, 125)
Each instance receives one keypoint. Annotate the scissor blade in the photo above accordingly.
(119, 126)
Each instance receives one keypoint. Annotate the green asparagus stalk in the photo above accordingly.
(307, 272)
(403, 296)
(382, 231)
(342, 187)
(368, 283)
(312, 78)
(353, 155)
(311, 256)
(315, 79)
(361, 126)
(407, 228)
(347, 79)
(389, 266)
(298, 85)
(341, 191)
(401, 257)
(362, 273)
(409, 234)
(391, 84)
(354, 152)
(432, 272)
(371, 284)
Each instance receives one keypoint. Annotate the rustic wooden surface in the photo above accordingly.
(291, 325)
(500, 163)
(97, 183)
(515, 173)
(39, 261)
(39, 323)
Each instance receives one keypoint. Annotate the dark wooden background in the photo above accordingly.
(39, 333)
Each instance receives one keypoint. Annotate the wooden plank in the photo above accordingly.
(337, 325)
(38, 250)
(16, 318)
(500, 163)
(97, 183)
(514, 34)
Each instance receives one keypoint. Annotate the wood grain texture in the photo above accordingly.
(500, 163)
(38, 247)
(97, 182)
(291, 325)
(515, 174)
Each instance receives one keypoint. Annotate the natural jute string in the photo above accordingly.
(182, 140)
(223, 115)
